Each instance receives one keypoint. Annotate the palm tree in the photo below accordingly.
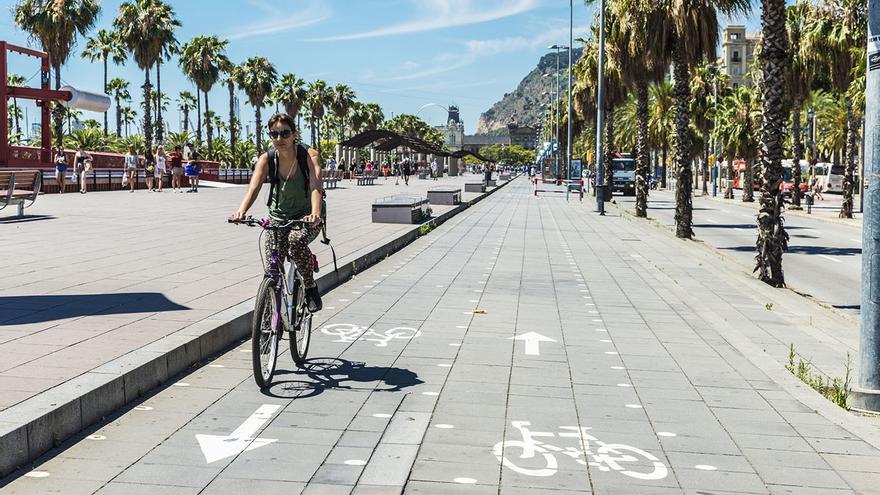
(693, 28)
(168, 51)
(257, 76)
(739, 116)
(798, 78)
(291, 93)
(103, 46)
(129, 117)
(661, 123)
(641, 53)
(229, 70)
(118, 89)
(317, 99)
(833, 36)
(702, 87)
(201, 60)
(186, 102)
(15, 80)
(373, 116)
(56, 25)
(341, 99)
(146, 27)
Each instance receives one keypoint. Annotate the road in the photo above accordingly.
(526, 346)
(823, 258)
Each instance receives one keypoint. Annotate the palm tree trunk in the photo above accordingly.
(748, 185)
(232, 129)
(208, 126)
(259, 129)
(663, 166)
(148, 125)
(17, 123)
(186, 118)
(198, 116)
(683, 205)
(118, 119)
(849, 162)
(608, 159)
(106, 125)
(772, 238)
(642, 157)
(159, 123)
(798, 155)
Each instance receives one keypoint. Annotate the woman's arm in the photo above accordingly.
(260, 172)
(316, 186)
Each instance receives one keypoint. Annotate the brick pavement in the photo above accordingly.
(415, 380)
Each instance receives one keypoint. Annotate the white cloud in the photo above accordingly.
(440, 14)
(283, 20)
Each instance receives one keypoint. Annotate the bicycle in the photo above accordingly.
(280, 305)
(608, 456)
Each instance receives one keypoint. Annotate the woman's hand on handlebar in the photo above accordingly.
(237, 216)
(313, 219)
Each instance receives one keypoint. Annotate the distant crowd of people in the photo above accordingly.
(399, 169)
(155, 166)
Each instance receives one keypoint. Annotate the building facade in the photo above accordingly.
(737, 54)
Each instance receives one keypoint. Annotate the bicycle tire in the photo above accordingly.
(301, 326)
(265, 313)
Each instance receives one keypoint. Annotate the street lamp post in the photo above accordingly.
(556, 110)
(866, 395)
(715, 170)
(600, 114)
(570, 70)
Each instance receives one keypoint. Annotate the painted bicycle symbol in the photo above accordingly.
(627, 460)
(347, 332)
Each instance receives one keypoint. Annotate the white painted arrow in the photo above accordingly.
(217, 447)
(533, 342)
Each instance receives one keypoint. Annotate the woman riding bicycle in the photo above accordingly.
(293, 197)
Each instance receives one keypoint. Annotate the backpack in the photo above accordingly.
(302, 160)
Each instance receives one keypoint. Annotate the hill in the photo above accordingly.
(526, 100)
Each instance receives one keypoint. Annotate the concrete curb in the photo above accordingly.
(35, 426)
(852, 222)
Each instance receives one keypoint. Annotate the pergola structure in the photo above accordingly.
(383, 140)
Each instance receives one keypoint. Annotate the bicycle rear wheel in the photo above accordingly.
(301, 325)
(265, 333)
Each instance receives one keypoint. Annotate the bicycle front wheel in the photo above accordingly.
(265, 333)
(301, 326)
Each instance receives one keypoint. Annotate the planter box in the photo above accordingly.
(444, 196)
(400, 209)
(491, 183)
(477, 187)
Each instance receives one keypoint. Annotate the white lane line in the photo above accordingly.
(830, 258)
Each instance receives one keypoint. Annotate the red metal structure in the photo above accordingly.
(27, 155)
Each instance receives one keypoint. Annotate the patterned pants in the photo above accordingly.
(295, 242)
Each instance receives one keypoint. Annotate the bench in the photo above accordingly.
(331, 180)
(401, 209)
(478, 187)
(505, 177)
(365, 180)
(19, 186)
(444, 196)
(491, 183)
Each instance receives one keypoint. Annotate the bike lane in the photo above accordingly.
(515, 349)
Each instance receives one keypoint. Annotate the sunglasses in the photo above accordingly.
(286, 133)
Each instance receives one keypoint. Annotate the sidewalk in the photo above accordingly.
(106, 295)
(476, 359)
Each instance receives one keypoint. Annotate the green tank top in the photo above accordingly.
(292, 202)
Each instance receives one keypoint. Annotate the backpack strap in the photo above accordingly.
(273, 176)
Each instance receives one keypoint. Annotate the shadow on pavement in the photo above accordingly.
(41, 308)
(826, 250)
(26, 218)
(320, 374)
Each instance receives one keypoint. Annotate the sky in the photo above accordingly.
(402, 54)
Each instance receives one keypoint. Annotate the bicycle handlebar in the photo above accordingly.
(264, 223)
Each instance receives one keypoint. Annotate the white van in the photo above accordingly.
(830, 177)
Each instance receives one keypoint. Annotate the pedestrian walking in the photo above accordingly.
(131, 165)
(434, 169)
(175, 158)
(192, 172)
(159, 170)
(60, 161)
(150, 168)
(83, 162)
(407, 171)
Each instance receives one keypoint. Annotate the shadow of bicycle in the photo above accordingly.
(320, 374)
